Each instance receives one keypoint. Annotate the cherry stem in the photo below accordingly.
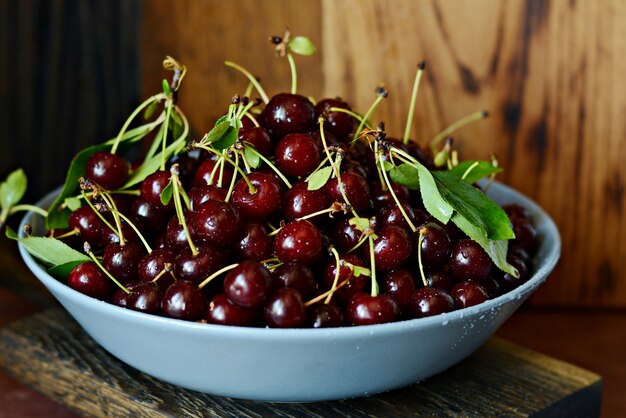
(244, 159)
(243, 174)
(231, 186)
(244, 109)
(358, 244)
(176, 187)
(105, 271)
(387, 182)
(337, 272)
(168, 114)
(469, 170)
(26, 207)
(73, 232)
(356, 116)
(132, 116)
(98, 214)
(116, 214)
(250, 77)
(132, 225)
(373, 267)
(409, 118)
(331, 209)
(423, 231)
(217, 273)
(320, 165)
(326, 294)
(456, 125)
(269, 163)
(252, 118)
(294, 74)
(367, 115)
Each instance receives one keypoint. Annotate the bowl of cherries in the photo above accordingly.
(295, 252)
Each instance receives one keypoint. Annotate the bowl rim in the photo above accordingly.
(551, 257)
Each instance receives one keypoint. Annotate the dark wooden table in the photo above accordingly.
(593, 340)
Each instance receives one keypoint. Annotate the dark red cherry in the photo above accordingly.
(108, 170)
(427, 301)
(152, 187)
(356, 284)
(109, 236)
(249, 284)
(285, 309)
(196, 268)
(364, 309)
(223, 312)
(183, 300)
(350, 165)
(392, 248)
(88, 279)
(525, 236)
(299, 201)
(120, 297)
(492, 287)
(216, 223)
(469, 261)
(88, 223)
(209, 173)
(200, 194)
(339, 123)
(175, 233)
(298, 242)
(517, 212)
(355, 188)
(392, 215)
(297, 277)
(122, 260)
(436, 246)
(187, 163)
(400, 285)
(256, 245)
(468, 294)
(440, 280)
(287, 113)
(149, 218)
(508, 281)
(297, 154)
(382, 196)
(145, 297)
(344, 235)
(260, 204)
(157, 263)
(325, 316)
(259, 138)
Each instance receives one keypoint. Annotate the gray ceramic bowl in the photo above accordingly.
(300, 365)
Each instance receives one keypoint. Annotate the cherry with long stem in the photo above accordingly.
(455, 126)
(416, 85)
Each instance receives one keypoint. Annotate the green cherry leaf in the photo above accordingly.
(360, 223)
(73, 203)
(61, 271)
(166, 87)
(360, 271)
(50, 251)
(218, 131)
(13, 189)
(477, 170)
(229, 137)
(147, 114)
(318, 179)
(166, 193)
(252, 157)
(405, 175)
(153, 164)
(301, 45)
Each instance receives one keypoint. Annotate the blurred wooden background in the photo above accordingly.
(551, 73)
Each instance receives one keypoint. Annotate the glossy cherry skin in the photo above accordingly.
(508, 281)
(355, 188)
(325, 316)
(525, 236)
(440, 280)
(287, 113)
(88, 223)
(298, 277)
(261, 204)
(469, 261)
(285, 309)
(364, 309)
(298, 242)
(339, 123)
(88, 279)
(208, 174)
(145, 297)
(122, 260)
(216, 223)
(256, 245)
(297, 154)
(427, 301)
(152, 264)
(120, 297)
(108, 170)
(223, 312)
(392, 215)
(392, 248)
(196, 268)
(356, 284)
(152, 187)
(344, 235)
(175, 233)
(183, 300)
(468, 294)
(258, 137)
(200, 194)
(299, 201)
(436, 246)
(400, 285)
(249, 284)
(148, 217)
(383, 198)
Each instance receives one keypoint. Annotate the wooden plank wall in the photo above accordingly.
(550, 72)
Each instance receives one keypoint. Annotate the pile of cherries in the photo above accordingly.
(280, 256)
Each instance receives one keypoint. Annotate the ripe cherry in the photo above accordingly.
(436, 246)
(122, 260)
(183, 300)
(108, 170)
(287, 113)
(259, 138)
(196, 268)
(325, 316)
(364, 309)
(216, 222)
(297, 277)
(427, 301)
(299, 201)
(356, 189)
(469, 261)
(285, 309)
(339, 123)
(297, 154)
(88, 279)
(249, 284)
(145, 297)
(222, 311)
(154, 264)
(256, 245)
(392, 248)
(468, 294)
(208, 174)
(356, 283)
(152, 187)
(298, 242)
(263, 202)
(400, 285)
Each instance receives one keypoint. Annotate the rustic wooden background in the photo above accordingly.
(550, 72)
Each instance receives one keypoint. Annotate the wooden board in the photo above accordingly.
(50, 352)
(550, 72)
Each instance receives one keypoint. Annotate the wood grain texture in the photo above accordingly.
(52, 353)
(68, 79)
(550, 73)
